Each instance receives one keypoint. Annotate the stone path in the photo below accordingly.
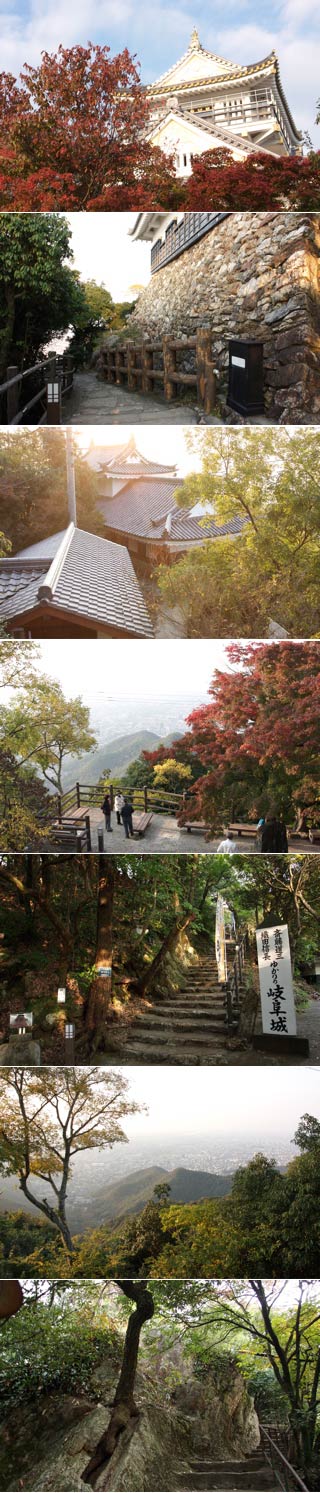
(164, 836)
(94, 402)
(308, 1024)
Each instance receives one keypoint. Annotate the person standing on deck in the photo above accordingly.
(126, 816)
(106, 809)
(118, 804)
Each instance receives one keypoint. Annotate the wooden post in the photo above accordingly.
(203, 357)
(59, 808)
(145, 798)
(118, 360)
(169, 367)
(146, 356)
(78, 795)
(12, 395)
(88, 831)
(68, 366)
(100, 840)
(131, 359)
(210, 394)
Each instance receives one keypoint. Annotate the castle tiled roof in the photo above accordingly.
(126, 461)
(89, 578)
(148, 510)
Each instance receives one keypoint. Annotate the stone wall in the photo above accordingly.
(255, 275)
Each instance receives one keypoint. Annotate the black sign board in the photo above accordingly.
(245, 392)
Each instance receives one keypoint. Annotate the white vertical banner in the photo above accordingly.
(220, 942)
(275, 976)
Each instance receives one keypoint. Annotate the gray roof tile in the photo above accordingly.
(142, 508)
(96, 581)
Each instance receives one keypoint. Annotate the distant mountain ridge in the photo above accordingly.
(116, 1202)
(120, 1199)
(115, 756)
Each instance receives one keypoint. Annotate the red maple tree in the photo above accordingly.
(259, 738)
(259, 182)
(75, 135)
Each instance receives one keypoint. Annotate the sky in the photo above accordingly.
(163, 443)
(103, 251)
(243, 32)
(118, 669)
(222, 1101)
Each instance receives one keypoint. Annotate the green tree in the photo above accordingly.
(45, 726)
(33, 489)
(270, 480)
(39, 292)
(48, 1118)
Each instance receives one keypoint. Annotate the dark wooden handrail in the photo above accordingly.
(288, 1465)
(52, 368)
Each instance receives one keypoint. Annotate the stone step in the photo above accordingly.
(186, 1019)
(217, 1464)
(177, 1056)
(228, 1482)
(188, 1033)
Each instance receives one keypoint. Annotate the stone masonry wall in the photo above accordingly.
(254, 275)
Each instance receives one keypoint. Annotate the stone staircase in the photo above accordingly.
(252, 1473)
(190, 1027)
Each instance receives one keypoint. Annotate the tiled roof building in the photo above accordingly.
(205, 102)
(73, 585)
(137, 500)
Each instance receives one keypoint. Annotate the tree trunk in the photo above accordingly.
(166, 948)
(7, 334)
(54, 1215)
(124, 1407)
(98, 1003)
(11, 1298)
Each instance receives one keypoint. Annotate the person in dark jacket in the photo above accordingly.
(274, 836)
(106, 809)
(126, 816)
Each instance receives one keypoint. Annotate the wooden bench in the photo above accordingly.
(301, 837)
(314, 835)
(70, 835)
(197, 824)
(141, 823)
(243, 829)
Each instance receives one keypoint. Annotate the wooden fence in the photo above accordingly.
(144, 365)
(86, 795)
(15, 408)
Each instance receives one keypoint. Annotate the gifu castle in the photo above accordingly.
(204, 102)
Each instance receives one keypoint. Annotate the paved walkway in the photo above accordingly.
(94, 402)
(308, 1024)
(162, 836)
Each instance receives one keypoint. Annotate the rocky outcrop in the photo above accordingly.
(255, 275)
(46, 1444)
(222, 1418)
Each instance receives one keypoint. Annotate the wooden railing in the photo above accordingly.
(83, 795)
(15, 408)
(146, 365)
(283, 1472)
(181, 236)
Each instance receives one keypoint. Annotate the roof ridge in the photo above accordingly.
(47, 589)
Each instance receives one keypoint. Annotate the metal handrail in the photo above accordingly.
(288, 1465)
